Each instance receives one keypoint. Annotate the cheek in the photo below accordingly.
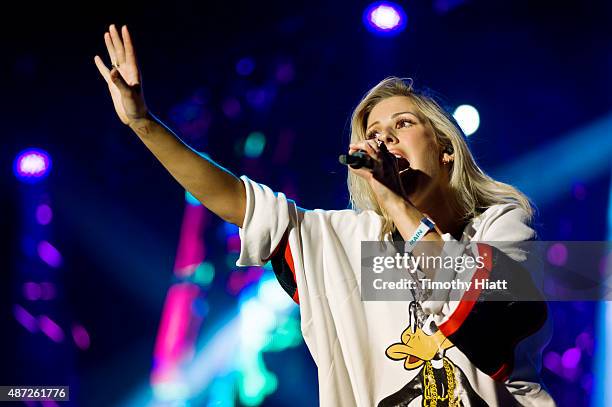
(421, 151)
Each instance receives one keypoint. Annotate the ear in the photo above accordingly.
(447, 155)
(448, 158)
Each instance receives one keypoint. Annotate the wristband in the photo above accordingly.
(425, 226)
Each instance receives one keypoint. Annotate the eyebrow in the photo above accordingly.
(393, 117)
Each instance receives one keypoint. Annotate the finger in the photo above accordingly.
(111, 48)
(102, 68)
(118, 44)
(371, 151)
(118, 80)
(130, 54)
(363, 145)
(372, 143)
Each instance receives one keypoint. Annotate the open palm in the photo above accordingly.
(124, 81)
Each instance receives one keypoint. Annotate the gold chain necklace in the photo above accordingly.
(430, 390)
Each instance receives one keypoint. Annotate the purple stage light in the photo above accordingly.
(571, 358)
(384, 18)
(50, 328)
(557, 254)
(32, 291)
(80, 336)
(49, 254)
(44, 214)
(32, 165)
(26, 319)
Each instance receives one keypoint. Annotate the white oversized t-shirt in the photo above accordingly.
(365, 351)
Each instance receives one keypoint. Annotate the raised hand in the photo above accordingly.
(124, 81)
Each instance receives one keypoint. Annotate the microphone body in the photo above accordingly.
(359, 159)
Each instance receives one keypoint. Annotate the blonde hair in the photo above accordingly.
(474, 191)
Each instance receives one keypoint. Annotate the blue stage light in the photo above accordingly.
(32, 165)
(384, 18)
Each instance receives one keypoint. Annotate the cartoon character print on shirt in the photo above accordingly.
(439, 381)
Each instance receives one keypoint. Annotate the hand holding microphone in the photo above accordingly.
(374, 162)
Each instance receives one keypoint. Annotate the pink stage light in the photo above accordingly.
(80, 336)
(233, 243)
(191, 249)
(50, 328)
(174, 330)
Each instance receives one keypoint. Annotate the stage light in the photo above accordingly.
(271, 294)
(384, 18)
(50, 328)
(230, 260)
(557, 254)
(571, 358)
(26, 319)
(32, 291)
(32, 165)
(245, 66)
(552, 361)
(254, 144)
(468, 119)
(199, 307)
(233, 243)
(191, 200)
(204, 273)
(49, 254)
(44, 214)
(80, 336)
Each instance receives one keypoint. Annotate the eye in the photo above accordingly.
(402, 123)
(371, 135)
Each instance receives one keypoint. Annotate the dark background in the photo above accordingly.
(536, 71)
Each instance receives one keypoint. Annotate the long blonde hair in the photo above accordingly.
(474, 191)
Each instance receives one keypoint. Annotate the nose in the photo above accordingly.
(387, 137)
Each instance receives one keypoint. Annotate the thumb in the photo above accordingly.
(118, 80)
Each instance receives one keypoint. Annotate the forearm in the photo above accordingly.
(214, 186)
(407, 219)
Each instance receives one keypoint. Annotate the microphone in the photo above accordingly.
(359, 159)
